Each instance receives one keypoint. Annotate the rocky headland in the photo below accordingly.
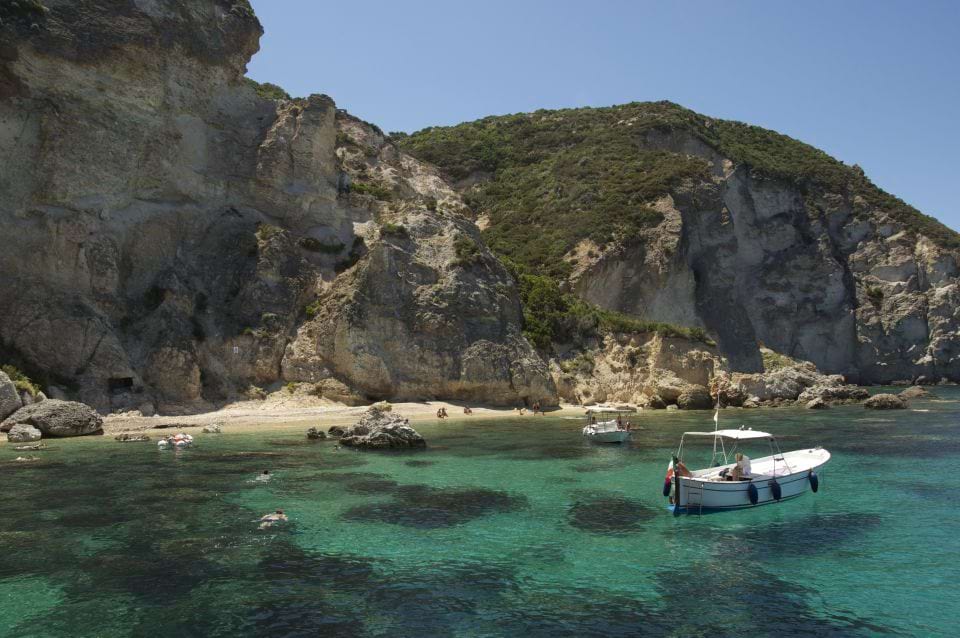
(177, 238)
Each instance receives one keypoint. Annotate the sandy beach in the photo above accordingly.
(264, 415)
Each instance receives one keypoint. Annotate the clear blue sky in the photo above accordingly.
(875, 83)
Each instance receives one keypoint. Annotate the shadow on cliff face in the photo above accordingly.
(427, 507)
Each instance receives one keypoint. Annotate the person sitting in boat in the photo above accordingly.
(619, 422)
(680, 468)
(742, 469)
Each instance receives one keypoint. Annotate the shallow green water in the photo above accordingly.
(501, 527)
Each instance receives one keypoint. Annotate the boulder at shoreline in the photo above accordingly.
(57, 418)
(10, 400)
(23, 433)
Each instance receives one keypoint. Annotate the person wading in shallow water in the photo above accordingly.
(536, 408)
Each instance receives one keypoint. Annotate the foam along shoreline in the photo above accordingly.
(250, 416)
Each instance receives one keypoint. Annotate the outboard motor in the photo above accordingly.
(814, 481)
(775, 489)
(753, 493)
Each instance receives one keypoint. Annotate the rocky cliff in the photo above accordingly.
(171, 238)
(668, 215)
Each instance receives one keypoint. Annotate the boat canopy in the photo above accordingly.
(733, 434)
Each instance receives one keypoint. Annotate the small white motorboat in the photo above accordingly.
(744, 483)
(607, 425)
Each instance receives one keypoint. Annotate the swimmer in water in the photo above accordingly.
(264, 476)
(268, 520)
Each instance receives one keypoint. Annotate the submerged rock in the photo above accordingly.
(57, 418)
(916, 392)
(885, 402)
(378, 429)
(315, 434)
(131, 437)
(214, 428)
(23, 433)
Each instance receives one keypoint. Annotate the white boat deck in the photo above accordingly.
(786, 464)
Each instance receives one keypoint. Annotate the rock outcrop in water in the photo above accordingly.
(885, 402)
(381, 429)
(171, 238)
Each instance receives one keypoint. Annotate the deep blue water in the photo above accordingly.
(501, 528)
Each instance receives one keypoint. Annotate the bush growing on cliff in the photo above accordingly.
(376, 190)
(467, 251)
(552, 316)
(21, 381)
(388, 229)
(267, 90)
(266, 232)
(875, 295)
(314, 245)
(22, 10)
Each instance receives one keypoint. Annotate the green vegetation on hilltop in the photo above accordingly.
(555, 178)
(549, 179)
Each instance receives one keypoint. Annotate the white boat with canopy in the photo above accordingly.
(744, 482)
(607, 425)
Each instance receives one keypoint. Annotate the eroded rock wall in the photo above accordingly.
(823, 278)
(164, 228)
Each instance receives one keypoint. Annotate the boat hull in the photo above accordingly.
(616, 436)
(699, 494)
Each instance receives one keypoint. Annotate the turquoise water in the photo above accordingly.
(502, 527)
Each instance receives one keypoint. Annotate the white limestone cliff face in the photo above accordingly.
(826, 279)
(163, 228)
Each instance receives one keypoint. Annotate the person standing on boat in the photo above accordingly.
(742, 468)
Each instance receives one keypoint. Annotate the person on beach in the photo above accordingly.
(536, 408)
(439, 413)
(444, 412)
(467, 410)
(268, 520)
